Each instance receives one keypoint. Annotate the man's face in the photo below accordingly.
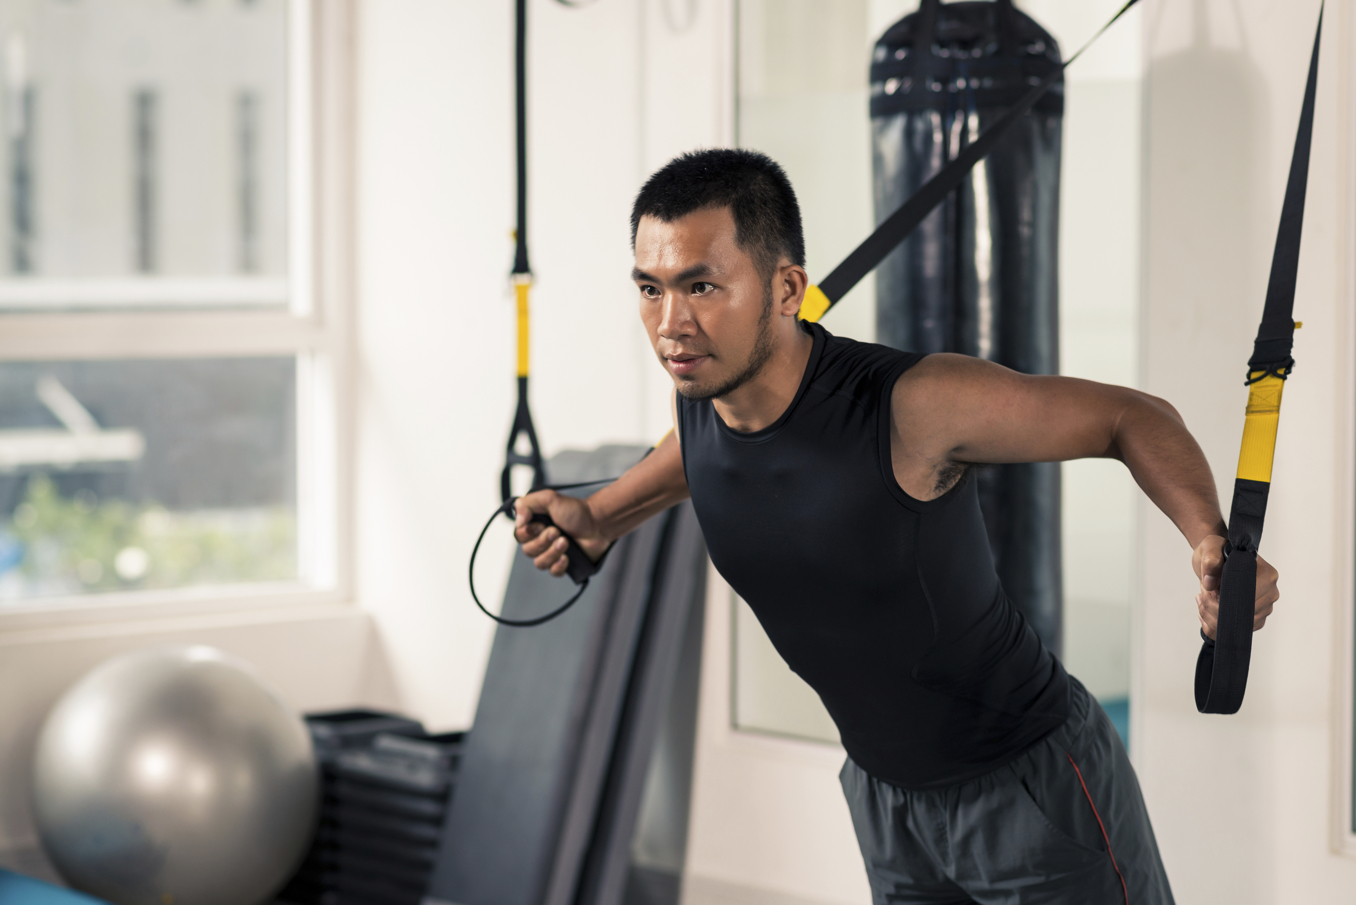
(704, 304)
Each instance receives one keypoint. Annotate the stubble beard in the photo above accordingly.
(758, 359)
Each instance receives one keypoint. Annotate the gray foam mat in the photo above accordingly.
(652, 757)
(534, 764)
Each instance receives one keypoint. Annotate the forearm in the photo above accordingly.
(1168, 464)
(646, 489)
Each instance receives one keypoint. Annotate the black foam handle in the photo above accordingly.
(580, 566)
(1222, 666)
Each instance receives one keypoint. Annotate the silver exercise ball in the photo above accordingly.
(175, 776)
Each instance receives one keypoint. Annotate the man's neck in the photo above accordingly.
(761, 401)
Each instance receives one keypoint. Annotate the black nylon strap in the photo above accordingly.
(1222, 666)
(522, 416)
(520, 264)
(897, 227)
(1275, 336)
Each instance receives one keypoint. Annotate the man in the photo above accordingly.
(832, 480)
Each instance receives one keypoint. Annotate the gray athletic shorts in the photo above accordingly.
(1062, 823)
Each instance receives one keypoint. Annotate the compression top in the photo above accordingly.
(888, 606)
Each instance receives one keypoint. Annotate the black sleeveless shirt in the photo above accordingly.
(888, 606)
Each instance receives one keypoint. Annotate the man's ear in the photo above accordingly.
(789, 287)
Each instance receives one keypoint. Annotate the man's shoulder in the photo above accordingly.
(860, 371)
(946, 385)
(853, 367)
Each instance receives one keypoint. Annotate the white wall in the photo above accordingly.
(1243, 805)
(434, 331)
(436, 317)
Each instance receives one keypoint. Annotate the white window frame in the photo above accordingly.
(317, 329)
(1343, 720)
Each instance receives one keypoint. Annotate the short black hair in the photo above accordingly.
(749, 183)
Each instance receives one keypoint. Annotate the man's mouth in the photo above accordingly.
(683, 364)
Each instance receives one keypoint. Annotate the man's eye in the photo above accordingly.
(701, 288)
(650, 292)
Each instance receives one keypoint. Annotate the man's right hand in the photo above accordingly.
(545, 544)
(647, 488)
(1208, 561)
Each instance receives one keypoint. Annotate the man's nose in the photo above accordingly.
(675, 319)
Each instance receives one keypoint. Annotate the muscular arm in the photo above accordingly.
(951, 410)
(647, 488)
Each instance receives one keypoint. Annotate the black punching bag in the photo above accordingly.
(979, 275)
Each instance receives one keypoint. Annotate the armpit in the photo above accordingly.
(948, 475)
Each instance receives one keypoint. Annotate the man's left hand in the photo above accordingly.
(1208, 561)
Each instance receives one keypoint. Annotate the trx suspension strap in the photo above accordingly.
(819, 298)
(522, 283)
(1222, 667)
(581, 567)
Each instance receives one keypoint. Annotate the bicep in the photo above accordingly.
(963, 409)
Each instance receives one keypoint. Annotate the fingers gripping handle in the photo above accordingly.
(1222, 667)
(579, 566)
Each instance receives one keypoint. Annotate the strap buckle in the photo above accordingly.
(1280, 370)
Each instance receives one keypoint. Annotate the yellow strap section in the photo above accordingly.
(524, 331)
(1259, 428)
(815, 303)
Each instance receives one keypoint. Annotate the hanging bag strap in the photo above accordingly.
(1222, 667)
(1005, 17)
(819, 298)
(923, 36)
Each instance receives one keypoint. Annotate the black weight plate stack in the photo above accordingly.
(385, 785)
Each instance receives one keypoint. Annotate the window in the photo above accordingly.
(169, 376)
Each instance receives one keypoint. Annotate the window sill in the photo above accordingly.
(122, 613)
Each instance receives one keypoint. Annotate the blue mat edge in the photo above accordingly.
(1119, 711)
(17, 889)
